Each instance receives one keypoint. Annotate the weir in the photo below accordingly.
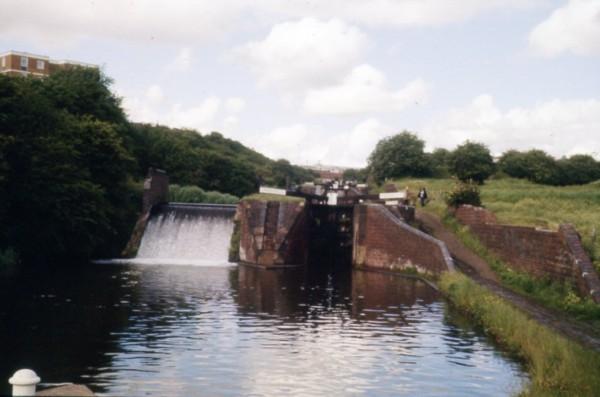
(187, 232)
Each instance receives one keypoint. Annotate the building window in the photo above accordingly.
(3, 62)
(40, 65)
(24, 63)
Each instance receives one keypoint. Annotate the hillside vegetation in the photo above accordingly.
(71, 167)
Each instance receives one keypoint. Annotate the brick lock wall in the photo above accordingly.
(273, 233)
(541, 253)
(382, 241)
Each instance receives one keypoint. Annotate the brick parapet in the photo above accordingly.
(542, 253)
(585, 273)
(383, 241)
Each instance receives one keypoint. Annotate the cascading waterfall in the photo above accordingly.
(187, 234)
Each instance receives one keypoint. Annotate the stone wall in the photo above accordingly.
(273, 233)
(558, 255)
(383, 241)
(156, 189)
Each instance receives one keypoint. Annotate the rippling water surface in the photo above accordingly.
(141, 330)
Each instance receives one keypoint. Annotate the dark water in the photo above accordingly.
(142, 330)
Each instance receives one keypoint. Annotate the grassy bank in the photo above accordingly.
(519, 202)
(557, 366)
(273, 197)
(524, 203)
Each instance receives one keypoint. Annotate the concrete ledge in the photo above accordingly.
(67, 391)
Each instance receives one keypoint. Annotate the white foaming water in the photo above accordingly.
(186, 236)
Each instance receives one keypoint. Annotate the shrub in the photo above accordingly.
(471, 161)
(194, 194)
(463, 193)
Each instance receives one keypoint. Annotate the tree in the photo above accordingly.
(398, 156)
(513, 163)
(579, 169)
(471, 161)
(541, 167)
(439, 161)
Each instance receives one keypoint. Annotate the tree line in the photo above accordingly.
(72, 166)
(404, 155)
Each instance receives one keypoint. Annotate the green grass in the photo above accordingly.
(556, 365)
(560, 296)
(273, 197)
(519, 202)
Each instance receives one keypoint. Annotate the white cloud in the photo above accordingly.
(200, 117)
(560, 127)
(182, 62)
(304, 53)
(304, 144)
(73, 20)
(59, 22)
(154, 94)
(155, 107)
(353, 149)
(575, 28)
(363, 90)
(235, 104)
(396, 13)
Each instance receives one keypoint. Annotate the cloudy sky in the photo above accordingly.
(322, 81)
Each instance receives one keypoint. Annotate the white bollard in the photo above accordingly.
(24, 382)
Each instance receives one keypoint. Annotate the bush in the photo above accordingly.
(398, 156)
(8, 258)
(463, 193)
(194, 194)
(471, 161)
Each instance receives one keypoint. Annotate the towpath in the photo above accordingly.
(479, 270)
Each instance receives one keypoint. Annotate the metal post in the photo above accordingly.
(23, 382)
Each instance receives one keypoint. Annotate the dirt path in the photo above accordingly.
(478, 269)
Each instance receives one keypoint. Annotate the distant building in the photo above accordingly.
(14, 63)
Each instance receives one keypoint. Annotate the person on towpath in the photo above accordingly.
(422, 196)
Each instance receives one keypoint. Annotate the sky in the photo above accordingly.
(316, 81)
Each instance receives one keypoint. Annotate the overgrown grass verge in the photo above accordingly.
(561, 296)
(520, 202)
(273, 197)
(556, 365)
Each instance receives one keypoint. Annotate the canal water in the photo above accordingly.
(156, 330)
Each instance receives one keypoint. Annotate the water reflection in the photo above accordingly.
(185, 330)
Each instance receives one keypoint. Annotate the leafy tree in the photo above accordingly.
(439, 161)
(471, 161)
(541, 167)
(398, 156)
(513, 163)
(579, 169)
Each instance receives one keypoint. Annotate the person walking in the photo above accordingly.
(422, 196)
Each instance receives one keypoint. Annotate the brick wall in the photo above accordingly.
(541, 253)
(470, 215)
(273, 233)
(383, 241)
(156, 189)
